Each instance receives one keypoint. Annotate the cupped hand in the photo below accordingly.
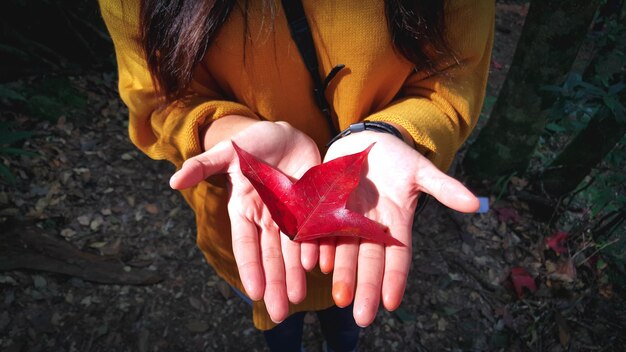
(271, 266)
(390, 184)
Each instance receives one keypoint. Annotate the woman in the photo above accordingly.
(197, 74)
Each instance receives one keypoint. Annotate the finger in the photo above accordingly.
(295, 275)
(446, 189)
(346, 256)
(196, 169)
(247, 255)
(309, 254)
(397, 265)
(327, 254)
(369, 281)
(275, 297)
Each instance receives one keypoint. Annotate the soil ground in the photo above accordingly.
(91, 188)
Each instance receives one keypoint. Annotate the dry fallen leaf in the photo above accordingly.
(68, 233)
(84, 220)
(563, 271)
(151, 208)
(95, 224)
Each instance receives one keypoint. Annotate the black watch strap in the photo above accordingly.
(376, 126)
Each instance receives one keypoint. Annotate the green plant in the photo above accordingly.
(47, 98)
(7, 139)
(578, 101)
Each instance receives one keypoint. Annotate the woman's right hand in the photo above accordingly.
(271, 266)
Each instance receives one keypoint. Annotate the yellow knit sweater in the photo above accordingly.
(271, 82)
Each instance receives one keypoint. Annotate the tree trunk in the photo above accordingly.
(552, 35)
(583, 153)
(603, 132)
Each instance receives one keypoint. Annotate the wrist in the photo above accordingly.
(376, 127)
(406, 136)
(223, 128)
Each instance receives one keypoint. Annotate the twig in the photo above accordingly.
(596, 251)
(27, 247)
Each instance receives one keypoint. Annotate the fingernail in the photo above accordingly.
(173, 179)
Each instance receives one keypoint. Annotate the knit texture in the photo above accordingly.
(264, 77)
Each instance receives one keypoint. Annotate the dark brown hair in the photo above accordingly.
(177, 33)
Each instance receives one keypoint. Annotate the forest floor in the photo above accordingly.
(96, 197)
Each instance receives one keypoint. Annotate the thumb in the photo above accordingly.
(194, 170)
(446, 189)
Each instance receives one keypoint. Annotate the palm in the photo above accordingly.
(270, 265)
(387, 193)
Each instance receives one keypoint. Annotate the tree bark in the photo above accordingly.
(24, 246)
(582, 154)
(552, 34)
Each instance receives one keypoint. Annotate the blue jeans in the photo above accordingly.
(338, 327)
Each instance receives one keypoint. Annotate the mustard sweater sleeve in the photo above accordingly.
(168, 132)
(441, 110)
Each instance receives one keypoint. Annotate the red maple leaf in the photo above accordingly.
(557, 242)
(521, 279)
(314, 206)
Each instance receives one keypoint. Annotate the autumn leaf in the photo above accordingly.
(521, 279)
(314, 206)
(507, 215)
(557, 242)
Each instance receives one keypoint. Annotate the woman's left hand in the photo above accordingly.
(390, 185)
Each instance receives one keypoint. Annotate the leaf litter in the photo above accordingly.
(459, 295)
